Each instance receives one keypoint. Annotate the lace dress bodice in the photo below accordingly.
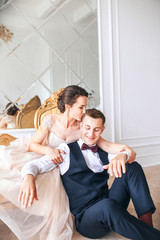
(54, 141)
(55, 129)
(10, 121)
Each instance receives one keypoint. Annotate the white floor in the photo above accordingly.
(153, 178)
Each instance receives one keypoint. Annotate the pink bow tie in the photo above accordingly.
(93, 148)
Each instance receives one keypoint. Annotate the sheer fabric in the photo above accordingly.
(10, 121)
(49, 218)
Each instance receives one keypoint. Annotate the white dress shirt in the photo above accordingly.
(43, 164)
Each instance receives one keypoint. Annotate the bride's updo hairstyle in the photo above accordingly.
(69, 96)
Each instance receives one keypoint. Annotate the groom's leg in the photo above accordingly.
(108, 214)
(133, 185)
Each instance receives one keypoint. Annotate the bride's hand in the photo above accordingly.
(55, 155)
(28, 191)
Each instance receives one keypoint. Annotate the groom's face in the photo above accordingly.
(91, 130)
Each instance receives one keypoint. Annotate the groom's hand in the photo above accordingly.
(117, 165)
(28, 191)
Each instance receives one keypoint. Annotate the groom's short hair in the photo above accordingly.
(94, 113)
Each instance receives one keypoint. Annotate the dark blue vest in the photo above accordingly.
(82, 185)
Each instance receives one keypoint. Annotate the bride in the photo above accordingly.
(8, 119)
(49, 217)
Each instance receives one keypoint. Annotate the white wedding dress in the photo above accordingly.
(10, 121)
(49, 218)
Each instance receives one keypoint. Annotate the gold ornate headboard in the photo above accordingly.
(48, 107)
(25, 117)
(5, 139)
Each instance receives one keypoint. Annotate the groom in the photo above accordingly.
(97, 209)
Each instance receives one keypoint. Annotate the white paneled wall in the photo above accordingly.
(130, 74)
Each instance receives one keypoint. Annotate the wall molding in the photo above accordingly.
(147, 147)
(106, 81)
(149, 160)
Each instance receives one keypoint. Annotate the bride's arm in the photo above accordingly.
(3, 123)
(114, 148)
(37, 143)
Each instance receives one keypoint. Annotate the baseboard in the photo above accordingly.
(147, 161)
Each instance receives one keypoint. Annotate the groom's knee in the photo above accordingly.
(134, 167)
(134, 170)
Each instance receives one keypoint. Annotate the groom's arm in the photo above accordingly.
(115, 148)
(37, 166)
(28, 192)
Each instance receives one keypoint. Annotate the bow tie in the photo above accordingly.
(93, 148)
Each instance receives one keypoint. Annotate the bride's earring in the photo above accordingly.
(67, 115)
